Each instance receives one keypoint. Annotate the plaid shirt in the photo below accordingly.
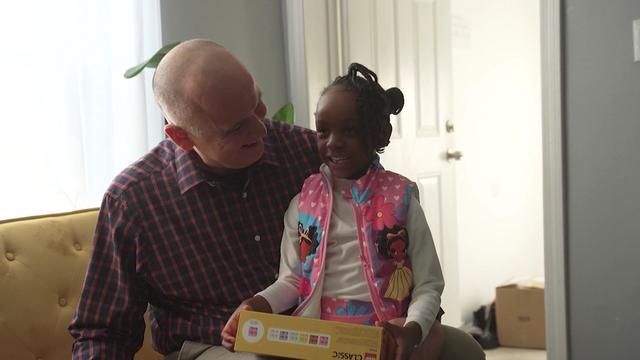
(191, 248)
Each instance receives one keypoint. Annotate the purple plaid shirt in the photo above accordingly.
(191, 248)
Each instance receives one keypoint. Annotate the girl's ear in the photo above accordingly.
(179, 136)
(386, 131)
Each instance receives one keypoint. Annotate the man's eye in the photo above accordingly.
(322, 133)
(235, 128)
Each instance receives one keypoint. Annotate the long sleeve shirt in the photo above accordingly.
(188, 246)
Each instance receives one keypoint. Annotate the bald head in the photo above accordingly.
(197, 76)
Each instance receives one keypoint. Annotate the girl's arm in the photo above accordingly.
(283, 293)
(427, 275)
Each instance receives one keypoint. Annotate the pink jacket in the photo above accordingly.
(380, 200)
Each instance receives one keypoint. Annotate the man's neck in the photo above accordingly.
(214, 171)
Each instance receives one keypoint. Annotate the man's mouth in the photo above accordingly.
(249, 146)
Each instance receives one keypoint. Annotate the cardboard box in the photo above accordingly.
(520, 314)
(303, 338)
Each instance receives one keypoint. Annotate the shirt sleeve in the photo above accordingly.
(427, 274)
(283, 293)
(109, 323)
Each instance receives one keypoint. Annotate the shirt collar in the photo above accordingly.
(187, 174)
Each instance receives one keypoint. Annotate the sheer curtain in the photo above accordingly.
(69, 120)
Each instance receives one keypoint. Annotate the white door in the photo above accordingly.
(406, 42)
(412, 44)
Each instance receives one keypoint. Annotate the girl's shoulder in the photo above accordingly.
(394, 176)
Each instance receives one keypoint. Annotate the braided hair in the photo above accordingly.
(373, 103)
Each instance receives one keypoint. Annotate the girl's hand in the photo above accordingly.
(256, 303)
(399, 341)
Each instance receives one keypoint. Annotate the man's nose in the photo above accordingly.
(257, 127)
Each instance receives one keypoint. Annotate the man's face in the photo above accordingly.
(232, 127)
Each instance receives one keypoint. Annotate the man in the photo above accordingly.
(193, 228)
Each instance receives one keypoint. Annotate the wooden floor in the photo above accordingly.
(505, 353)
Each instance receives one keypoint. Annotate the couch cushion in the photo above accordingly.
(43, 261)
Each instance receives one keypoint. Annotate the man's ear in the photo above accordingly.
(178, 136)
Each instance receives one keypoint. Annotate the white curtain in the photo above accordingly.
(69, 121)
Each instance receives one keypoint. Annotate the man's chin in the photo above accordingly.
(250, 158)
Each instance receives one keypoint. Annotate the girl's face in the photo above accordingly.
(341, 142)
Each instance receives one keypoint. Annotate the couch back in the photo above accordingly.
(43, 260)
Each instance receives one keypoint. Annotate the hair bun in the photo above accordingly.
(395, 100)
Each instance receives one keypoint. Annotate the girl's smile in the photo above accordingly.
(341, 142)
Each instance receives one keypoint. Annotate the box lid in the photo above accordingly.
(524, 282)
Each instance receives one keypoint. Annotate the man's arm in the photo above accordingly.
(109, 323)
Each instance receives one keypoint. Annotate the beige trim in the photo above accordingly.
(35, 217)
(554, 252)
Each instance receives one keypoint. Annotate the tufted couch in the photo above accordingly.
(43, 260)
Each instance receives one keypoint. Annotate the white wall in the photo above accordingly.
(251, 30)
(497, 114)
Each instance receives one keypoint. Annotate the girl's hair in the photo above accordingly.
(374, 104)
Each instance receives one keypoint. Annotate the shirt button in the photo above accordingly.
(256, 238)
(77, 246)
(244, 195)
(62, 301)
(10, 256)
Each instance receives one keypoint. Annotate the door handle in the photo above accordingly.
(453, 155)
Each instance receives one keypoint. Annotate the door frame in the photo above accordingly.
(553, 180)
(312, 42)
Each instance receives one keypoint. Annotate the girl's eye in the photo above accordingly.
(350, 132)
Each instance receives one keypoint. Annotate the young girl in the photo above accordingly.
(356, 245)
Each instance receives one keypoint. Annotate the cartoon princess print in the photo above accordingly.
(309, 233)
(308, 241)
(393, 244)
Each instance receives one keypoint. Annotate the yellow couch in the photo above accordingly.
(43, 260)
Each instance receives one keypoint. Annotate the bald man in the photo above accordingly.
(194, 227)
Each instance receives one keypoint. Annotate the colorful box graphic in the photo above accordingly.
(303, 338)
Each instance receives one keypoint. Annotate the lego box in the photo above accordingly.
(303, 338)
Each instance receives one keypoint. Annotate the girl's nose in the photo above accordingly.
(334, 141)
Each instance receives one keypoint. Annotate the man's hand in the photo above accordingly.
(256, 303)
(398, 341)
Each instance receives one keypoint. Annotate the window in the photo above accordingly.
(69, 119)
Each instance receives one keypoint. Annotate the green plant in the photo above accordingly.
(285, 113)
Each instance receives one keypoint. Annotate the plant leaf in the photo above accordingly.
(152, 62)
(285, 114)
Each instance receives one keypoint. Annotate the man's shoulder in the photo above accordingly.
(144, 169)
(291, 139)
